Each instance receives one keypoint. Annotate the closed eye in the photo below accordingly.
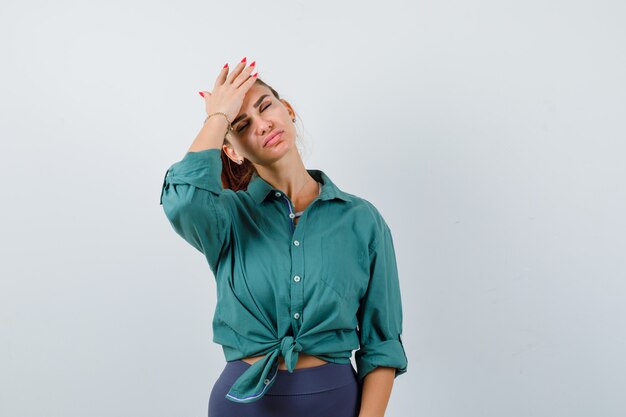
(243, 126)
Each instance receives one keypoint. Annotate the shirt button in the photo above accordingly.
(277, 194)
(296, 316)
(267, 381)
(292, 215)
(295, 242)
(296, 278)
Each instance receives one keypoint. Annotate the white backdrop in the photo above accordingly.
(490, 135)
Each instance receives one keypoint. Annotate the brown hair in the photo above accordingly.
(235, 176)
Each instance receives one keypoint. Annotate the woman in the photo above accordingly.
(305, 272)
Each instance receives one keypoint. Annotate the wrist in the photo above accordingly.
(218, 115)
(219, 122)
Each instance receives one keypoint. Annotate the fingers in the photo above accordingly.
(236, 71)
(244, 76)
(240, 76)
(221, 78)
(249, 82)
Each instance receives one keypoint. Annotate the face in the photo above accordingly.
(261, 114)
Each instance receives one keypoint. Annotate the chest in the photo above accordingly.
(324, 257)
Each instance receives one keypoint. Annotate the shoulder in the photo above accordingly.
(369, 217)
(368, 208)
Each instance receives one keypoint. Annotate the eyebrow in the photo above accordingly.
(258, 102)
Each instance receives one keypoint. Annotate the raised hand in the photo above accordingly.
(229, 90)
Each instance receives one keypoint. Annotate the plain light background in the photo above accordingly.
(490, 135)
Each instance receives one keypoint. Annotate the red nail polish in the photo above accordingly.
(225, 65)
(244, 59)
(253, 62)
(255, 74)
(201, 93)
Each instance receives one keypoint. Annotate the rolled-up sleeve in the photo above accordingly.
(190, 197)
(380, 313)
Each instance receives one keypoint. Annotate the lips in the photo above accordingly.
(271, 136)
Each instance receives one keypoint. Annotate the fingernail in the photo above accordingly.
(244, 59)
(255, 74)
(201, 93)
(253, 62)
(225, 65)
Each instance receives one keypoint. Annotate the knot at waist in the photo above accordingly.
(289, 348)
(255, 381)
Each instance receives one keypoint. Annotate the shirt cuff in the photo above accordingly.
(385, 353)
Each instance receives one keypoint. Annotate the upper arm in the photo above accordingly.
(193, 201)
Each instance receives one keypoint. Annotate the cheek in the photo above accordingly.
(246, 143)
(239, 143)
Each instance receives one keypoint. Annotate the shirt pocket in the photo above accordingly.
(344, 266)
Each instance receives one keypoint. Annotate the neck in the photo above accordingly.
(289, 175)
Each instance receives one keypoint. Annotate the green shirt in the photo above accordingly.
(324, 286)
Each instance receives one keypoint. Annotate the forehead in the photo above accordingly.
(254, 93)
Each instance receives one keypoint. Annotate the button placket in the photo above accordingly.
(297, 294)
(297, 264)
(291, 214)
(297, 261)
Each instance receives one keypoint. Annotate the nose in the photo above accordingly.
(264, 127)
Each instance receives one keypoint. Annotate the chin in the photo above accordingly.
(280, 148)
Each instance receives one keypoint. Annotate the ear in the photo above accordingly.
(230, 152)
(292, 114)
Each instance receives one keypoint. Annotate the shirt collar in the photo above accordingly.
(259, 189)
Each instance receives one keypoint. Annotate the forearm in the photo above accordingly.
(211, 135)
(377, 387)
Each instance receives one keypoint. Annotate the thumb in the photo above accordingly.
(203, 93)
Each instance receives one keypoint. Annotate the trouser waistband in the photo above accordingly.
(302, 381)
